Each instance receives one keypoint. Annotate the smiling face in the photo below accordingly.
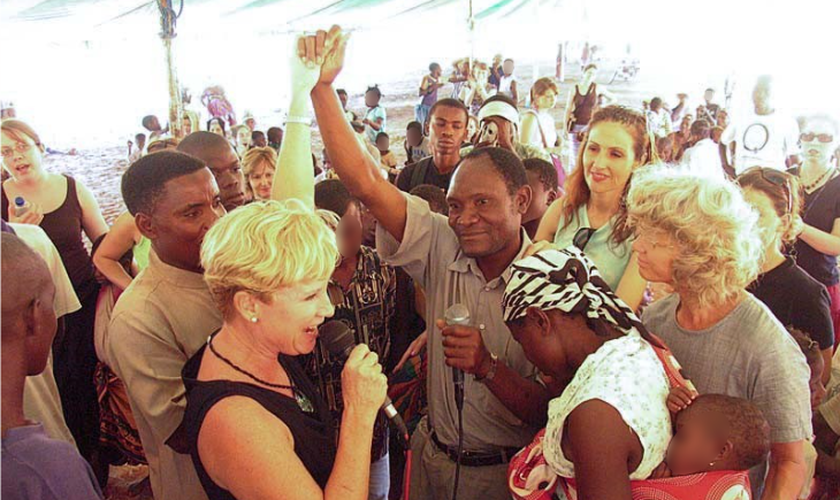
(22, 158)
(289, 322)
(484, 216)
(608, 158)
(260, 179)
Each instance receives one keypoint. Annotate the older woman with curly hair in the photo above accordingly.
(699, 235)
(267, 266)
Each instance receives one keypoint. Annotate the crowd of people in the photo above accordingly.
(653, 297)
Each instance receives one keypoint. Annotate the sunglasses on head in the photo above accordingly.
(777, 178)
(810, 136)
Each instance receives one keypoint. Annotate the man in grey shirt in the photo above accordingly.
(748, 354)
(463, 260)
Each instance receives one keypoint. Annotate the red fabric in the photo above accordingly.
(834, 294)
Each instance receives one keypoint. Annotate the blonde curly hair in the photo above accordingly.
(716, 231)
(265, 246)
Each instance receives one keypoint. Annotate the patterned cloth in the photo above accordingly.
(367, 308)
(117, 427)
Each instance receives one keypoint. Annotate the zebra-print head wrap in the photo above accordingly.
(568, 281)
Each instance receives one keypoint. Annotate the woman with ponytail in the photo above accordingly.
(592, 214)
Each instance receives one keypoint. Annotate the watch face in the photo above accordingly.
(756, 137)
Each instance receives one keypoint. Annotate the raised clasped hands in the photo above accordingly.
(324, 49)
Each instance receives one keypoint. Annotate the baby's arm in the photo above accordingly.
(679, 399)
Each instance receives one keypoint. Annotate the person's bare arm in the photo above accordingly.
(294, 178)
(93, 223)
(819, 240)
(787, 471)
(631, 288)
(600, 446)
(530, 131)
(354, 166)
(120, 239)
(514, 93)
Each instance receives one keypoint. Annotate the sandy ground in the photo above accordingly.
(101, 166)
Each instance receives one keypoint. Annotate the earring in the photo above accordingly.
(711, 464)
(254, 319)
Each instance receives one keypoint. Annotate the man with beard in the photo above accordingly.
(219, 156)
(447, 130)
(166, 314)
(465, 259)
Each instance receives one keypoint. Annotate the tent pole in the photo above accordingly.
(176, 110)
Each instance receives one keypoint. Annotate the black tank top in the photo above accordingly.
(312, 432)
(584, 105)
(64, 228)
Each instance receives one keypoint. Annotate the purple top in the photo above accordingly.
(35, 467)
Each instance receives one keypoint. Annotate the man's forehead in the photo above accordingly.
(475, 175)
(188, 189)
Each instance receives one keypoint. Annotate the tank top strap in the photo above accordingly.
(72, 199)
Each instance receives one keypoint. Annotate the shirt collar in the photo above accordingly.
(176, 276)
(464, 264)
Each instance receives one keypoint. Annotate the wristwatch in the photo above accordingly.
(491, 373)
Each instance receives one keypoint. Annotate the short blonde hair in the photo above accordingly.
(263, 247)
(716, 229)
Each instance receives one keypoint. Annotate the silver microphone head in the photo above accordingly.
(457, 314)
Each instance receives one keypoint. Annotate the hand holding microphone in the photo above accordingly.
(363, 385)
(463, 345)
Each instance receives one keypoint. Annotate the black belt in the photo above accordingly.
(475, 459)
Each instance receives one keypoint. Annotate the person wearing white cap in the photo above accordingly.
(499, 126)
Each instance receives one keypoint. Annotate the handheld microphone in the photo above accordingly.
(340, 340)
(458, 314)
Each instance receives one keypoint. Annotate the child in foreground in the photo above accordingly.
(713, 432)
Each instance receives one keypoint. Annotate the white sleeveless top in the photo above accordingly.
(504, 84)
(626, 374)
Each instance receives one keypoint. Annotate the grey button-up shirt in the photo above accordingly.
(430, 253)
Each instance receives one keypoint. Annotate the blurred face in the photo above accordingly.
(21, 157)
(216, 128)
(722, 119)
(656, 252)
(290, 321)
(507, 67)
(694, 444)
(772, 226)
(349, 233)
(243, 137)
(141, 142)
(762, 96)
(484, 216)
(260, 180)
(224, 164)
(447, 130)
(413, 136)
(686, 123)
(437, 72)
(371, 99)
(251, 123)
(343, 98)
(608, 158)
(655, 106)
(154, 124)
(708, 96)
(540, 198)
(187, 209)
(383, 143)
(259, 141)
(814, 150)
(547, 100)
